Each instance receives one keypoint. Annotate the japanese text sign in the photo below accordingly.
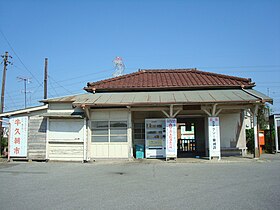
(214, 137)
(171, 137)
(18, 136)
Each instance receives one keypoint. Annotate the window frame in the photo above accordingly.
(110, 134)
(142, 130)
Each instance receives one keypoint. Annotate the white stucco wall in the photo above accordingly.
(232, 130)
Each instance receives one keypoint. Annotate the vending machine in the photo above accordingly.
(160, 138)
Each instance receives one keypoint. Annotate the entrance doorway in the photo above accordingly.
(191, 137)
(186, 137)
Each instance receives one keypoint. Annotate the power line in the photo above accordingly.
(276, 86)
(38, 88)
(53, 89)
(60, 85)
(73, 78)
(233, 67)
(25, 81)
(86, 75)
(11, 98)
(84, 81)
(268, 82)
(18, 56)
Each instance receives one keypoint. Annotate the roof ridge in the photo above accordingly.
(165, 70)
(222, 75)
(195, 70)
(114, 78)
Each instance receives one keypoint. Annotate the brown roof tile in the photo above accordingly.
(167, 79)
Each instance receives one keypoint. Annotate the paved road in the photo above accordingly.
(141, 185)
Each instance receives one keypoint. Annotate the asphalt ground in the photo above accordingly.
(152, 184)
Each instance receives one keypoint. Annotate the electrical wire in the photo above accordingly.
(18, 56)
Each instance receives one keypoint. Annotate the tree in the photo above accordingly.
(263, 122)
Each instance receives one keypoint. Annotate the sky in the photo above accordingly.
(81, 38)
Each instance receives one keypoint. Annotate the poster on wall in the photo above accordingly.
(214, 137)
(171, 138)
(18, 137)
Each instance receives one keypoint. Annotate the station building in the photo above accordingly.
(118, 114)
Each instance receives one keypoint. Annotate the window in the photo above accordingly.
(118, 131)
(109, 131)
(139, 131)
(99, 131)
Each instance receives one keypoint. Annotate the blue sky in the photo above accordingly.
(81, 39)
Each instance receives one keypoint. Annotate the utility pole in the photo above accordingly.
(46, 79)
(25, 80)
(6, 62)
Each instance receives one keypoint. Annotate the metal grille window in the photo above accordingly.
(109, 131)
(139, 130)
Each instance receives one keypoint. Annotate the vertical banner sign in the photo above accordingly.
(171, 138)
(214, 137)
(18, 136)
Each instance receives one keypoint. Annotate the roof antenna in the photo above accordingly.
(119, 67)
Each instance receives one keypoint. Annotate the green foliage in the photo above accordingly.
(263, 117)
(269, 136)
(4, 143)
(263, 122)
(250, 140)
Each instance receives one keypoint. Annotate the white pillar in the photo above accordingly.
(256, 139)
(129, 135)
(47, 138)
(275, 119)
(88, 135)
(171, 110)
(85, 139)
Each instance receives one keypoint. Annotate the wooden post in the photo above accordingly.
(46, 79)
(5, 62)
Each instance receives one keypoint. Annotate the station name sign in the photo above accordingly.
(18, 137)
(214, 137)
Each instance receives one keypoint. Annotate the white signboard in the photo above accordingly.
(18, 137)
(171, 138)
(214, 137)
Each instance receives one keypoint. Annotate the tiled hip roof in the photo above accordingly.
(168, 79)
